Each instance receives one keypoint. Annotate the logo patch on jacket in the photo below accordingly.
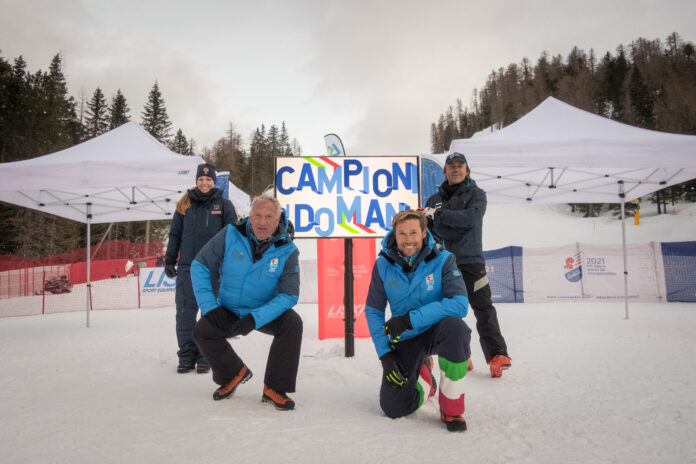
(216, 209)
(238, 255)
(430, 282)
(274, 265)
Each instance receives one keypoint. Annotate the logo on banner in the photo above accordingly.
(153, 280)
(430, 283)
(598, 266)
(274, 265)
(573, 266)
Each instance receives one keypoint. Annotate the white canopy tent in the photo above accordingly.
(558, 153)
(122, 175)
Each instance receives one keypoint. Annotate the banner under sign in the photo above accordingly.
(331, 304)
(345, 197)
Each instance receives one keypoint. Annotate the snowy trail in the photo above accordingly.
(586, 386)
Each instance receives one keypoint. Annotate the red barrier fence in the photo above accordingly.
(117, 249)
(23, 276)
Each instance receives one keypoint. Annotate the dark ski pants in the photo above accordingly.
(186, 313)
(449, 339)
(479, 290)
(213, 330)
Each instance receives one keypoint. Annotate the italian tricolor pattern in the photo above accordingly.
(452, 386)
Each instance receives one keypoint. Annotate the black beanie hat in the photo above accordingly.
(205, 169)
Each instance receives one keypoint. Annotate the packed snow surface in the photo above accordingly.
(586, 385)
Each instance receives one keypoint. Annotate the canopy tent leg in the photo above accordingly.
(89, 259)
(625, 261)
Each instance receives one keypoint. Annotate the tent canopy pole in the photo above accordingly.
(89, 259)
(622, 195)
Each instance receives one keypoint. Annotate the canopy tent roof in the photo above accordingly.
(558, 153)
(122, 175)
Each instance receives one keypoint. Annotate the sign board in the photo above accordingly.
(154, 281)
(349, 197)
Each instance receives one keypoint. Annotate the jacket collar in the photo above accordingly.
(391, 252)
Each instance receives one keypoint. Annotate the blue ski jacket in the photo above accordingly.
(428, 287)
(264, 282)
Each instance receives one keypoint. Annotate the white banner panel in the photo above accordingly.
(153, 280)
(592, 272)
(552, 274)
(603, 273)
(348, 197)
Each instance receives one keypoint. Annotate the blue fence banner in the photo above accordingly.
(222, 181)
(504, 269)
(679, 260)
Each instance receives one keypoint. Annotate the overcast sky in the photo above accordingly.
(377, 73)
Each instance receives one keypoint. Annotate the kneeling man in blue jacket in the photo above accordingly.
(255, 266)
(427, 299)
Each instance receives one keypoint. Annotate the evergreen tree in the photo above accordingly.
(285, 149)
(273, 144)
(434, 139)
(257, 149)
(53, 122)
(296, 148)
(641, 100)
(11, 110)
(180, 144)
(155, 118)
(118, 111)
(97, 115)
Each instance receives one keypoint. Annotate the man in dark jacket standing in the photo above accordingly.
(200, 214)
(455, 216)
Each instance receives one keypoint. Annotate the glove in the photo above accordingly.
(170, 270)
(430, 212)
(393, 373)
(244, 325)
(396, 326)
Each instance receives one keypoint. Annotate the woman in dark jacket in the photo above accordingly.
(200, 214)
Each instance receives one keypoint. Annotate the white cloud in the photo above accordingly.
(375, 72)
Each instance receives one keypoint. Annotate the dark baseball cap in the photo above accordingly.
(455, 157)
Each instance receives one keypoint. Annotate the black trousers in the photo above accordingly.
(186, 313)
(213, 330)
(448, 339)
(476, 281)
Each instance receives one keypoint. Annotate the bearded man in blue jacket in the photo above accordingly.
(427, 299)
(256, 265)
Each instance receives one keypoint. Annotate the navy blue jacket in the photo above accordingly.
(458, 224)
(429, 289)
(265, 283)
(190, 231)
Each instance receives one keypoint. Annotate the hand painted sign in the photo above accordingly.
(346, 197)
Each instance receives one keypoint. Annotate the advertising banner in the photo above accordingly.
(504, 270)
(603, 276)
(153, 281)
(345, 197)
(592, 272)
(552, 274)
(222, 181)
(331, 307)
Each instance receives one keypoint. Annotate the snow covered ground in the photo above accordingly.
(586, 385)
